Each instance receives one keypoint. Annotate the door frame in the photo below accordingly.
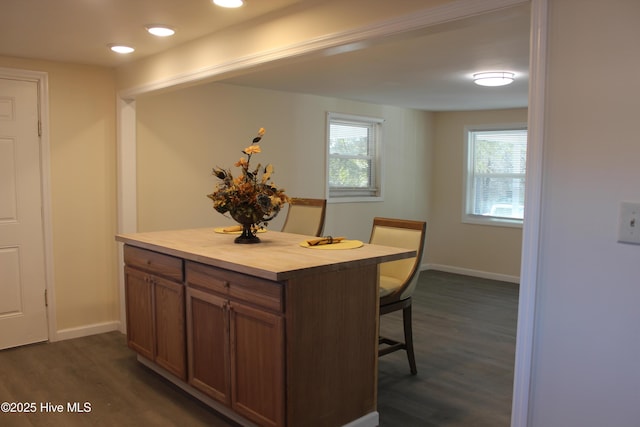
(41, 79)
(457, 9)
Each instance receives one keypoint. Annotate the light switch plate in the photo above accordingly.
(629, 227)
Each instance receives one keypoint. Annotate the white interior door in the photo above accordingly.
(23, 313)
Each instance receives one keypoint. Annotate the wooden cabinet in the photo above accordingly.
(235, 331)
(155, 304)
(139, 300)
(230, 325)
(208, 344)
(257, 359)
(169, 307)
(273, 334)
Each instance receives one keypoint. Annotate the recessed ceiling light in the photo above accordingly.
(228, 3)
(120, 48)
(493, 78)
(160, 30)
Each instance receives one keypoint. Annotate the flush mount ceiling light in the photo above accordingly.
(493, 78)
(120, 48)
(160, 30)
(228, 3)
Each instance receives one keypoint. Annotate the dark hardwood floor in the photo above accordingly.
(464, 333)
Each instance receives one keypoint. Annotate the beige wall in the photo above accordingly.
(214, 57)
(83, 190)
(83, 147)
(478, 248)
(174, 130)
(183, 134)
(585, 347)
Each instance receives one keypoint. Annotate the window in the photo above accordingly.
(495, 175)
(353, 167)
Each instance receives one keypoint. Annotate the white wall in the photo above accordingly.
(586, 348)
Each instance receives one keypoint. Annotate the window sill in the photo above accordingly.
(355, 199)
(492, 221)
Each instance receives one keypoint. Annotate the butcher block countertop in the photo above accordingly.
(278, 256)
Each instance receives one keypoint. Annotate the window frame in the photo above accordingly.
(373, 193)
(468, 216)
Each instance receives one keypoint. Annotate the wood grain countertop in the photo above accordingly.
(278, 256)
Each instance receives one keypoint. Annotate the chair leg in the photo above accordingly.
(408, 338)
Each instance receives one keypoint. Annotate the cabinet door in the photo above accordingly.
(257, 364)
(139, 306)
(208, 344)
(170, 329)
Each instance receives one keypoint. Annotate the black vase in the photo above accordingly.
(247, 216)
(248, 234)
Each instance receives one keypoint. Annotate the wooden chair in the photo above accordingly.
(305, 216)
(398, 279)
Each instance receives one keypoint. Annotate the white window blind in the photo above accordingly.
(496, 174)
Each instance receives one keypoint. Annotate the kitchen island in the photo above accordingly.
(272, 333)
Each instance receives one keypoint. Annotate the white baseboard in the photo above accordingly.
(372, 419)
(196, 393)
(85, 331)
(470, 272)
(369, 420)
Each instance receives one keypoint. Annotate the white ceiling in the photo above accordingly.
(429, 69)
(80, 30)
